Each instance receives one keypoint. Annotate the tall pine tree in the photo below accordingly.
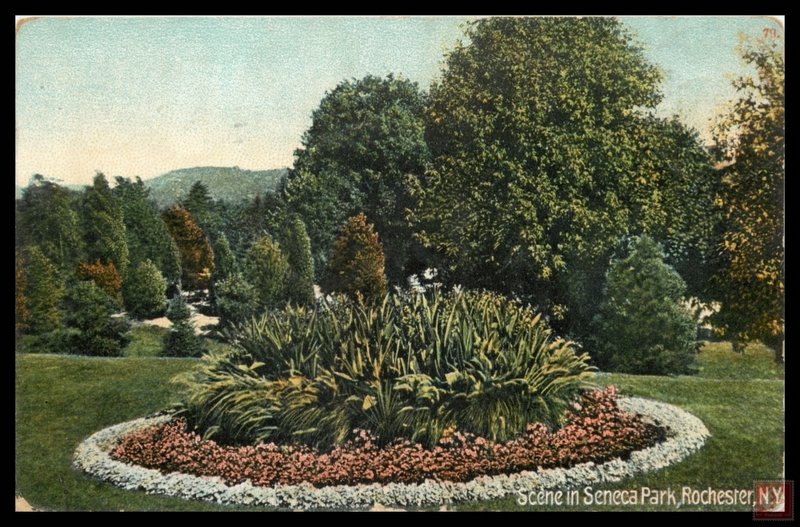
(146, 233)
(44, 289)
(47, 216)
(300, 277)
(104, 226)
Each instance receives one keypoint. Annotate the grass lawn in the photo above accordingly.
(62, 399)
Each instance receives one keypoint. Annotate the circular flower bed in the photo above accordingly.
(397, 487)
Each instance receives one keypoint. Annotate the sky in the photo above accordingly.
(143, 96)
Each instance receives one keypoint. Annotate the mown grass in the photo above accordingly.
(60, 400)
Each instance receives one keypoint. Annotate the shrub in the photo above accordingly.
(44, 290)
(595, 430)
(642, 326)
(356, 264)
(145, 291)
(237, 300)
(266, 267)
(91, 330)
(409, 367)
(181, 340)
(178, 308)
(105, 276)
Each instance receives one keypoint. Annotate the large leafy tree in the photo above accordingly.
(104, 226)
(366, 138)
(197, 256)
(749, 282)
(146, 233)
(546, 154)
(47, 217)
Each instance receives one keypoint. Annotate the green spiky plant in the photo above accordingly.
(409, 367)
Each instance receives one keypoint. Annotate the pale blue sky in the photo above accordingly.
(142, 96)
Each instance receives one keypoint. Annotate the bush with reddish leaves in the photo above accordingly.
(595, 429)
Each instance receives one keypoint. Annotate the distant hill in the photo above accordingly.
(231, 184)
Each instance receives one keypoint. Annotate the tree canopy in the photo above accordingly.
(104, 226)
(146, 233)
(197, 256)
(366, 138)
(749, 282)
(47, 216)
(546, 154)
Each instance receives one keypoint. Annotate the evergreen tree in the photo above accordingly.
(22, 315)
(47, 217)
(224, 260)
(197, 256)
(146, 234)
(145, 291)
(181, 340)
(103, 225)
(300, 277)
(44, 290)
(200, 205)
(355, 266)
(642, 326)
(265, 268)
(90, 328)
(237, 300)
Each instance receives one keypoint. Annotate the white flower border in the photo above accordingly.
(687, 434)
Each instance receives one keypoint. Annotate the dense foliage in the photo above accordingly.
(750, 136)
(103, 225)
(90, 328)
(356, 263)
(642, 326)
(181, 341)
(47, 216)
(105, 276)
(237, 300)
(197, 256)
(265, 268)
(300, 275)
(545, 153)
(44, 289)
(409, 367)
(146, 234)
(366, 138)
(145, 291)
